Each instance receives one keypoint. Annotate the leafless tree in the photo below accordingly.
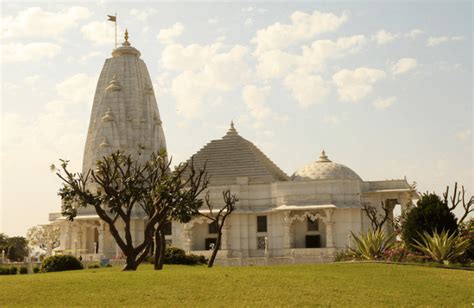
(458, 197)
(120, 184)
(219, 218)
(377, 220)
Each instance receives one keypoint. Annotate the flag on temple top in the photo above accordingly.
(112, 18)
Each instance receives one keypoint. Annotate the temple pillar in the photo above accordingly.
(226, 244)
(329, 223)
(83, 249)
(187, 233)
(100, 229)
(287, 236)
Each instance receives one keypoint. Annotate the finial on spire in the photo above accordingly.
(323, 158)
(232, 130)
(126, 43)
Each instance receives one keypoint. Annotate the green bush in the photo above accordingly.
(4, 271)
(431, 214)
(372, 245)
(23, 270)
(13, 270)
(174, 255)
(467, 231)
(60, 263)
(442, 247)
(36, 269)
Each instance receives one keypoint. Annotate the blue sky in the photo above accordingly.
(384, 88)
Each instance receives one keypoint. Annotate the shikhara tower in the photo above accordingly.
(125, 114)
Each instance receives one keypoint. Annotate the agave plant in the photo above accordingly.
(373, 244)
(442, 247)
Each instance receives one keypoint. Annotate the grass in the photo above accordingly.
(293, 285)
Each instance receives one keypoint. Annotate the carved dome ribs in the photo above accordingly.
(325, 169)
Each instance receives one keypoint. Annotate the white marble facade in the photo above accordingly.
(279, 219)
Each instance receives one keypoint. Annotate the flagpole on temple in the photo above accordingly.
(113, 18)
(115, 29)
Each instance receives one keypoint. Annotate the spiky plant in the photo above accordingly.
(372, 245)
(442, 247)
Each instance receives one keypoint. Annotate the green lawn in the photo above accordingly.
(292, 285)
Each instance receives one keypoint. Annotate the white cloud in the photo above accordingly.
(99, 32)
(33, 79)
(190, 57)
(167, 36)
(303, 26)
(404, 65)
(354, 85)
(331, 119)
(207, 71)
(316, 55)
(90, 55)
(414, 33)
(36, 22)
(384, 103)
(248, 22)
(12, 53)
(383, 37)
(277, 63)
(437, 40)
(79, 88)
(254, 99)
(464, 134)
(143, 15)
(306, 89)
(458, 38)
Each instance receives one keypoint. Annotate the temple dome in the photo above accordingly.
(325, 169)
(233, 157)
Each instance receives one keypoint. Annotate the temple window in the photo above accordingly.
(261, 223)
(213, 228)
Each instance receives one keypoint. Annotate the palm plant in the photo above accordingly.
(372, 245)
(442, 247)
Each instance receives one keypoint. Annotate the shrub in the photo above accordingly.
(23, 270)
(174, 255)
(431, 214)
(442, 247)
(13, 270)
(4, 271)
(93, 266)
(61, 263)
(372, 245)
(397, 253)
(36, 269)
(344, 255)
(467, 231)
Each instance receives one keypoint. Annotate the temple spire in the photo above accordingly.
(323, 158)
(126, 43)
(232, 130)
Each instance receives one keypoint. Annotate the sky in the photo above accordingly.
(384, 87)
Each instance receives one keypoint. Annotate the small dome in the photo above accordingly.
(325, 169)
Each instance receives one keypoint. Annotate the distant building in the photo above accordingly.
(279, 219)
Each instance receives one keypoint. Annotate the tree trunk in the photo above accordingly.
(130, 264)
(160, 247)
(214, 252)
